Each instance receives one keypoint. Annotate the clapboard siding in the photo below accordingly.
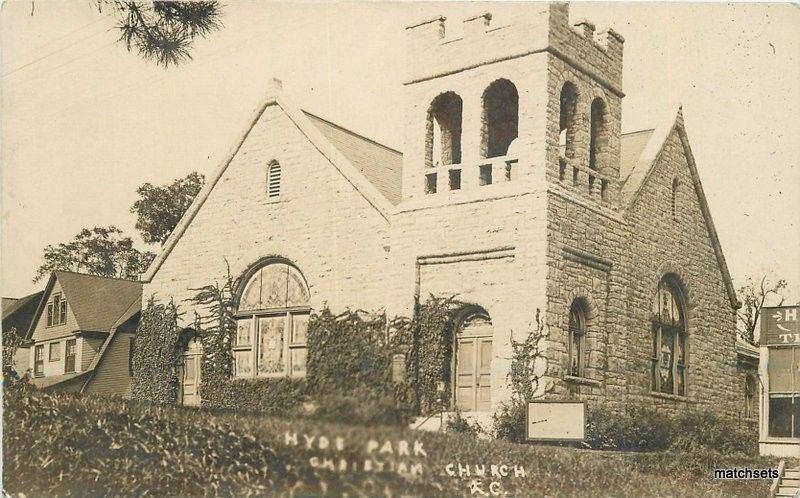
(89, 348)
(111, 375)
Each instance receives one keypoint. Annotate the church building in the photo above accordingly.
(516, 191)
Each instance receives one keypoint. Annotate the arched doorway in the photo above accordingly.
(190, 373)
(473, 363)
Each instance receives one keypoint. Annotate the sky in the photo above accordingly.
(84, 122)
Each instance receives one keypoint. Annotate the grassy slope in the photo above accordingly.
(73, 445)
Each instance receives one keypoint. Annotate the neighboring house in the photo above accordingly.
(83, 333)
(18, 314)
(517, 192)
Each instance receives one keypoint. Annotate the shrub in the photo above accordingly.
(635, 428)
(701, 428)
(457, 424)
(509, 421)
(361, 407)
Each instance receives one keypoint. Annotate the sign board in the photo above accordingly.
(780, 326)
(556, 421)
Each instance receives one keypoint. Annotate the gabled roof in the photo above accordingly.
(19, 313)
(318, 139)
(52, 380)
(97, 302)
(382, 165)
(631, 146)
(644, 165)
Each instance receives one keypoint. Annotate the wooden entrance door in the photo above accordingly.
(190, 375)
(473, 366)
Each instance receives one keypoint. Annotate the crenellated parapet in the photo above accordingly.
(534, 28)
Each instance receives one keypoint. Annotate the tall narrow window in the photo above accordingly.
(69, 356)
(750, 396)
(567, 120)
(57, 310)
(597, 134)
(674, 201)
(443, 134)
(577, 337)
(38, 360)
(668, 361)
(271, 324)
(274, 181)
(500, 120)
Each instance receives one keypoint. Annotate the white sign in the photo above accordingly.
(556, 421)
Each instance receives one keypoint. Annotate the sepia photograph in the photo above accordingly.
(400, 249)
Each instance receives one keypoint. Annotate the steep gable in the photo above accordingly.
(642, 172)
(94, 303)
(314, 134)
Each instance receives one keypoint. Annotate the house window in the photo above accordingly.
(274, 181)
(271, 325)
(38, 360)
(750, 396)
(668, 361)
(485, 174)
(443, 131)
(69, 356)
(577, 337)
(500, 121)
(55, 351)
(57, 310)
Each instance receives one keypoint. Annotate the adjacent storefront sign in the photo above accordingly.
(780, 326)
(556, 421)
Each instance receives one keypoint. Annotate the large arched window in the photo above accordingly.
(271, 323)
(577, 337)
(443, 134)
(597, 134)
(500, 120)
(567, 120)
(668, 365)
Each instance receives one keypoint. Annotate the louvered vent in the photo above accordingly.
(274, 181)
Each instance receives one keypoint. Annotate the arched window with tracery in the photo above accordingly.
(577, 337)
(443, 134)
(668, 369)
(500, 118)
(271, 323)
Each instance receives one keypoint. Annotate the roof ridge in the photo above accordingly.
(98, 276)
(645, 130)
(359, 135)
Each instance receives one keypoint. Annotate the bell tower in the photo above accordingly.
(512, 106)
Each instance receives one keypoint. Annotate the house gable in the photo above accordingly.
(39, 330)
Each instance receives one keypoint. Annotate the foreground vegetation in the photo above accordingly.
(64, 444)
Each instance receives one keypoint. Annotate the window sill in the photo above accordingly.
(583, 381)
(672, 397)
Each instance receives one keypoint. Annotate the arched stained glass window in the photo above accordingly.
(668, 371)
(271, 323)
